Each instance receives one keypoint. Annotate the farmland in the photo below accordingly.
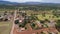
(5, 27)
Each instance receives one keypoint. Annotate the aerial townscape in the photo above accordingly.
(27, 18)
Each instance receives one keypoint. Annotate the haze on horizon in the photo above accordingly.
(45, 1)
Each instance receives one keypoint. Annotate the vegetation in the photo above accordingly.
(35, 13)
(16, 22)
(5, 27)
(50, 33)
(58, 25)
(34, 26)
(42, 33)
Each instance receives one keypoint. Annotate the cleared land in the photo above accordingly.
(5, 27)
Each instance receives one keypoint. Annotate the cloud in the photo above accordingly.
(46, 1)
(51, 1)
(24, 0)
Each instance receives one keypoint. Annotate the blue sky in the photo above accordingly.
(47, 1)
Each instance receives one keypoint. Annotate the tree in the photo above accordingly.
(49, 32)
(58, 25)
(5, 13)
(42, 33)
(16, 22)
(33, 17)
(47, 20)
(42, 21)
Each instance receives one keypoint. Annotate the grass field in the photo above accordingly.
(5, 27)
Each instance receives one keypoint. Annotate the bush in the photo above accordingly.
(21, 25)
(58, 25)
(47, 20)
(16, 22)
(42, 33)
(50, 33)
(33, 25)
(41, 21)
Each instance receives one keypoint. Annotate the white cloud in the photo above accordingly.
(24, 0)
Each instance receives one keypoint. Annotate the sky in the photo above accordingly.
(46, 1)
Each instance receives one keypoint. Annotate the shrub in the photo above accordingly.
(16, 22)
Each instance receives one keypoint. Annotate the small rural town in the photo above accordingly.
(27, 18)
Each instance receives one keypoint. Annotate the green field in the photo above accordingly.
(5, 27)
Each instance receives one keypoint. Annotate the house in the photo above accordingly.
(21, 29)
(38, 24)
(51, 23)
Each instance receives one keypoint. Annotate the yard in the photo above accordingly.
(5, 27)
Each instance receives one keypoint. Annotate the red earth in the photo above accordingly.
(33, 31)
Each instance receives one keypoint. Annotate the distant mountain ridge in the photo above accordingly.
(8, 3)
(29, 3)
